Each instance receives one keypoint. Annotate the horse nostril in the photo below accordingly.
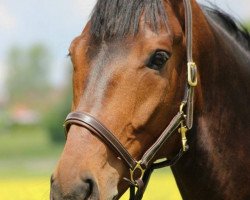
(90, 189)
(84, 188)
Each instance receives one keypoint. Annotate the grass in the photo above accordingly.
(26, 142)
(27, 158)
(26, 152)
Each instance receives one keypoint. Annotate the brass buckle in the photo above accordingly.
(132, 172)
(183, 130)
(192, 81)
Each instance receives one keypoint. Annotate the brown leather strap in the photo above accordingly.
(188, 29)
(96, 127)
(190, 108)
(189, 40)
(150, 153)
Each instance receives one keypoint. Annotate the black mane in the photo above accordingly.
(233, 26)
(117, 18)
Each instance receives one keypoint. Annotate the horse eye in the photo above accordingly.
(158, 60)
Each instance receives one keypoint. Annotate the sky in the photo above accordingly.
(56, 22)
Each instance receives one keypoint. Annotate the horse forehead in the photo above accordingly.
(107, 54)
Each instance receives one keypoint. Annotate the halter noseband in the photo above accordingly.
(140, 171)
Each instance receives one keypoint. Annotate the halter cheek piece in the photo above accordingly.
(141, 170)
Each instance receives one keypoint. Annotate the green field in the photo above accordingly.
(27, 158)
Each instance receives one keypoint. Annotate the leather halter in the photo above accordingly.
(141, 170)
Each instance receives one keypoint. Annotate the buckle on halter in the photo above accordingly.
(137, 169)
(183, 130)
(192, 74)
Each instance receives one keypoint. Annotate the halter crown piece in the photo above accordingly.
(140, 171)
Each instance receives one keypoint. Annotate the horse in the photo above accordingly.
(135, 65)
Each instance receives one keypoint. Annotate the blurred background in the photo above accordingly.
(35, 91)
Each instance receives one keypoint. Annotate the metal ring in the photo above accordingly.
(139, 167)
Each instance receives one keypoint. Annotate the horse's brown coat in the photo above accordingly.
(112, 83)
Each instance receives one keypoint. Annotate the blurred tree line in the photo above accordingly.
(28, 83)
(55, 117)
(28, 74)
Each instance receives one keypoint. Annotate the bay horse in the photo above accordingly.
(132, 65)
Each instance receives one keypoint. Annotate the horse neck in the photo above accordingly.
(217, 164)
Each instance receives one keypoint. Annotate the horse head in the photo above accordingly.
(129, 72)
